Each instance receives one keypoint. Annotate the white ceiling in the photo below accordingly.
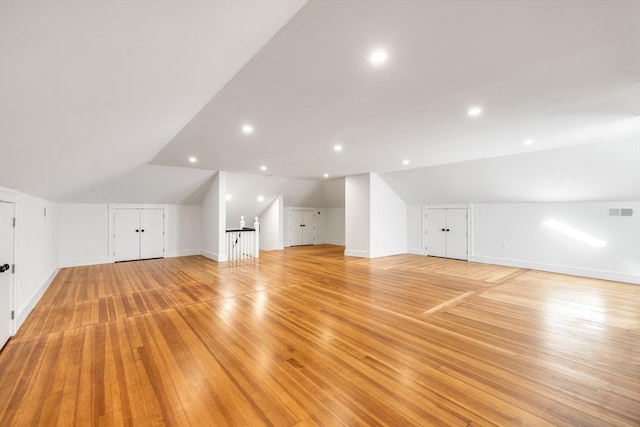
(559, 72)
(92, 92)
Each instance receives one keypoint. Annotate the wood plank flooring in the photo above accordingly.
(307, 336)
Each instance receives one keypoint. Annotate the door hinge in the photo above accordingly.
(13, 315)
(14, 223)
(13, 269)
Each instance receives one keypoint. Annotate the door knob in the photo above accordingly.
(4, 268)
(444, 229)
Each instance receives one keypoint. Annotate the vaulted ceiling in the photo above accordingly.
(98, 94)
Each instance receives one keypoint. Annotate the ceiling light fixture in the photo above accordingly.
(247, 129)
(260, 198)
(474, 111)
(228, 197)
(337, 148)
(263, 168)
(378, 57)
(528, 141)
(193, 159)
(405, 162)
(326, 175)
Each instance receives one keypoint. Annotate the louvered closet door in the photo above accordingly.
(151, 233)
(126, 224)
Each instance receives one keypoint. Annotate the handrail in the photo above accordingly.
(243, 242)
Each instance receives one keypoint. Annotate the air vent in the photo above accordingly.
(620, 212)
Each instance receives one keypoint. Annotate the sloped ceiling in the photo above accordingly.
(92, 90)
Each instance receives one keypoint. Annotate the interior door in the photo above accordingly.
(126, 224)
(151, 233)
(308, 227)
(457, 233)
(295, 228)
(7, 214)
(436, 232)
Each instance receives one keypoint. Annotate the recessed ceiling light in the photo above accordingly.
(378, 57)
(528, 141)
(228, 197)
(326, 175)
(263, 168)
(193, 159)
(248, 129)
(260, 198)
(405, 162)
(337, 148)
(474, 111)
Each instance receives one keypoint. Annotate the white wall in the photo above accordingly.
(184, 230)
(37, 252)
(514, 234)
(84, 234)
(335, 218)
(415, 233)
(271, 226)
(388, 220)
(214, 220)
(357, 216)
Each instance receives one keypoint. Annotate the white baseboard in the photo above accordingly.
(85, 261)
(22, 315)
(415, 251)
(335, 242)
(359, 254)
(183, 252)
(213, 256)
(389, 252)
(562, 269)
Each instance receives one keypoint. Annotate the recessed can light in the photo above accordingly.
(405, 162)
(326, 175)
(474, 111)
(337, 148)
(193, 159)
(228, 197)
(260, 198)
(247, 129)
(528, 141)
(263, 168)
(378, 57)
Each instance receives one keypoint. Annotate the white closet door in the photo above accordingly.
(457, 233)
(308, 227)
(6, 261)
(295, 228)
(126, 224)
(436, 232)
(151, 233)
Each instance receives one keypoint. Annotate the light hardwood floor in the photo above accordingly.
(307, 336)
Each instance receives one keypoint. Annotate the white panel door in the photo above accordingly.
(7, 214)
(151, 233)
(295, 228)
(308, 227)
(437, 232)
(456, 233)
(126, 224)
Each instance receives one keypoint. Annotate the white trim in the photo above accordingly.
(562, 269)
(80, 262)
(22, 315)
(359, 254)
(334, 242)
(182, 252)
(8, 195)
(388, 252)
(215, 257)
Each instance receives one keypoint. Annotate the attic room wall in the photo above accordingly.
(271, 226)
(214, 220)
(388, 220)
(37, 252)
(84, 233)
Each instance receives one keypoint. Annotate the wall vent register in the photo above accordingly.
(620, 212)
